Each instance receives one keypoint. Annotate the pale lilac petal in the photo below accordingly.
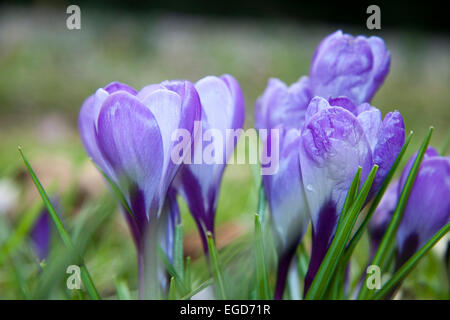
(371, 122)
(130, 140)
(165, 105)
(238, 100)
(364, 107)
(199, 183)
(284, 191)
(316, 104)
(87, 124)
(281, 105)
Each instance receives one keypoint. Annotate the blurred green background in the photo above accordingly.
(46, 72)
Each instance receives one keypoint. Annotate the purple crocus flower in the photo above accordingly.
(287, 204)
(428, 207)
(336, 139)
(41, 235)
(199, 183)
(349, 66)
(342, 66)
(128, 134)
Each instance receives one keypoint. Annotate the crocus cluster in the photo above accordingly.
(326, 127)
(427, 209)
(337, 130)
(129, 136)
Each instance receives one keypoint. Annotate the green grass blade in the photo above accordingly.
(329, 263)
(216, 268)
(172, 291)
(406, 268)
(178, 250)
(117, 192)
(261, 271)
(171, 270)
(358, 234)
(351, 195)
(198, 289)
(302, 260)
(18, 275)
(262, 203)
(123, 292)
(85, 275)
(388, 239)
(187, 274)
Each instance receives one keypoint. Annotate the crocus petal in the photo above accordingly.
(343, 102)
(315, 105)
(222, 109)
(371, 121)
(333, 146)
(281, 105)
(118, 86)
(349, 66)
(390, 140)
(428, 207)
(87, 124)
(130, 140)
(284, 191)
(172, 217)
(287, 203)
(166, 106)
(176, 105)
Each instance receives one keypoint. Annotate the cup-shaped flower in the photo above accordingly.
(428, 206)
(287, 205)
(128, 134)
(335, 141)
(199, 182)
(349, 66)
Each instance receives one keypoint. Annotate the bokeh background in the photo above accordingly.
(46, 72)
